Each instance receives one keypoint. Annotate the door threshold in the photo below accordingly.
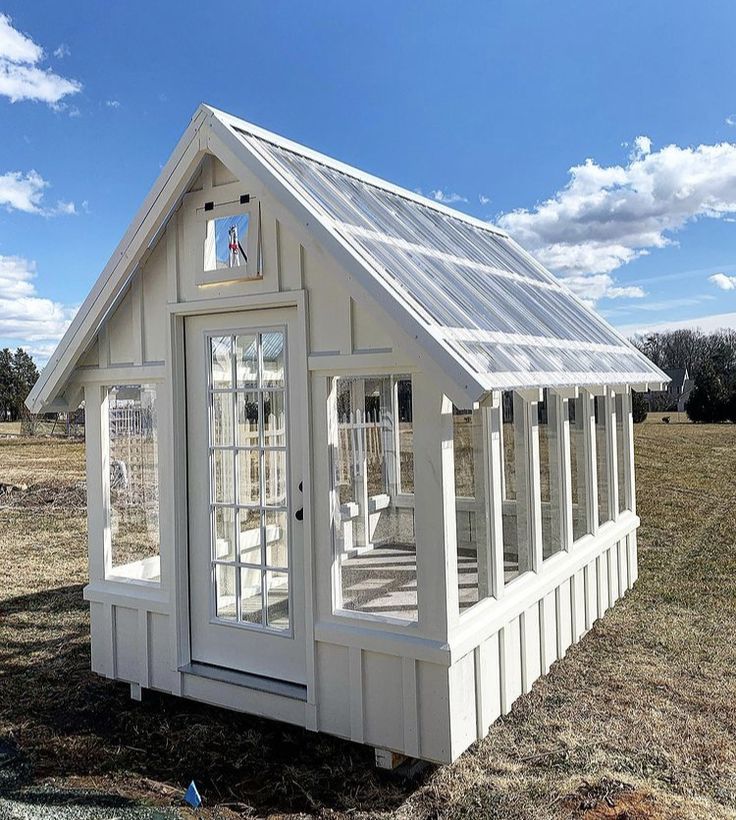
(273, 686)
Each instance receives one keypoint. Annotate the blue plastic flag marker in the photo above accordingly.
(192, 796)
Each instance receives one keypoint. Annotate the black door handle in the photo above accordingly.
(299, 514)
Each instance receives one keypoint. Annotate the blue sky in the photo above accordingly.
(486, 105)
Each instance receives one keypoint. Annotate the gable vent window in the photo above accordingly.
(226, 243)
(232, 242)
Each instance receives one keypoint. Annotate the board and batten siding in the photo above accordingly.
(423, 690)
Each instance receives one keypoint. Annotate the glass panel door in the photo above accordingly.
(248, 490)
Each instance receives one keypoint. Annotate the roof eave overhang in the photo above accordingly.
(171, 183)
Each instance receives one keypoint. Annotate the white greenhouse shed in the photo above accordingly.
(356, 461)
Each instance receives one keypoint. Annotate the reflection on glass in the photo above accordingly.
(602, 456)
(277, 584)
(578, 477)
(251, 606)
(249, 482)
(225, 592)
(225, 533)
(274, 418)
(248, 413)
(274, 464)
(621, 451)
(222, 374)
(250, 535)
(222, 418)
(277, 553)
(272, 349)
(246, 360)
(223, 476)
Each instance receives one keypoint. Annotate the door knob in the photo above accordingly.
(299, 514)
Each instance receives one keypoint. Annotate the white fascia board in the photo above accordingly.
(452, 374)
(149, 219)
(344, 168)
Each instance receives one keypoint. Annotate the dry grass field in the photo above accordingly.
(637, 721)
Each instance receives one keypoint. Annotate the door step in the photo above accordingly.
(272, 686)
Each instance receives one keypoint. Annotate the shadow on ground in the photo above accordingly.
(71, 723)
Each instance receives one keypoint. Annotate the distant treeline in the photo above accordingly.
(18, 374)
(710, 359)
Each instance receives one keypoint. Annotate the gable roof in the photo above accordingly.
(482, 310)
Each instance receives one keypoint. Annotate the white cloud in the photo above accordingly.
(722, 281)
(730, 119)
(21, 77)
(607, 216)
(446, 197)
(708, 324)
(112, 103)
(599, 286)
(62, 51)
(25, 192)
(483, 199)
(26, 318)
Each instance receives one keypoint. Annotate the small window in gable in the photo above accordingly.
(226, 243)
(231, 243)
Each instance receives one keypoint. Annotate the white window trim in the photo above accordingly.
(252, 270)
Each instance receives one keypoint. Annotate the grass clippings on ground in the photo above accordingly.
(636, 722)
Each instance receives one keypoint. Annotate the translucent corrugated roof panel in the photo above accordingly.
(499, 312)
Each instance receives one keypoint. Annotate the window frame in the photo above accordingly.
(111, 573)
(244, 273)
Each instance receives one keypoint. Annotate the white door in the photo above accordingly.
(245, 425)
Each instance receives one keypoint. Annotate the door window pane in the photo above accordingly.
(246, 360)
(225, 606)
(250, 478)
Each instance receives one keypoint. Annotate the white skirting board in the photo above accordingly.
(423, 702)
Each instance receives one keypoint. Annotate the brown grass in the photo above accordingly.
(637, 721)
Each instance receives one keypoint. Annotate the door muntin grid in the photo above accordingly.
(248, 458)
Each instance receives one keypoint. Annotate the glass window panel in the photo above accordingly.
(516, 502)
(246, 360)
(249, 477)
(277, 550)
(224, 533)
(248, 416)
(578, 462)
(251, 599)
(463, 431)
(222, 417)
(621, 450)
(274, 466)
(277, 594)
(602, 456)
(224, 476)
(272, 348)
(222, 372)
(549, 474)
(274, 418)
(132, 418)
(230, 242)
(406, 436)
(473, 554)
(249, 521)
(225, 592)
(374, 535)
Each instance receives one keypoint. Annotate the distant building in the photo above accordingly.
(675, 394)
